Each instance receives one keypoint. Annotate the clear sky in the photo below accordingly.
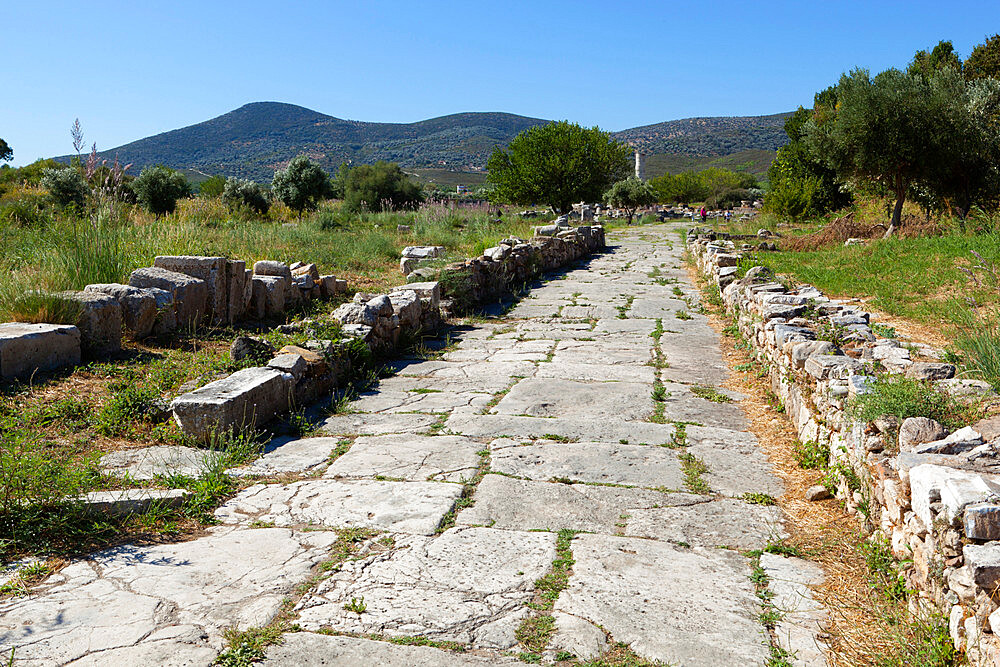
(136, 68)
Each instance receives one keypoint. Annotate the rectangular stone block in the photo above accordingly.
(268, 295)
(430, 291)
(190, 294)
(246, 399)
(211, 270)
(27, 348)
(100, 322)
(236, 290)
(982, 521)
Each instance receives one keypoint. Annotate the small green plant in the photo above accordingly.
(833, 333)
(357, 605)
(693, 469)
(891, 394)
(710, 394)
(757, 498)
(683, 315)
(883, 330)
(811, 455)
(245, 647)
(659, 393)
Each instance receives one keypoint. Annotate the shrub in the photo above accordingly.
(242, 193)
(67, 186)
(380, 187)
(213, 186)
(903, 397)
(158, 188)
(301, 185)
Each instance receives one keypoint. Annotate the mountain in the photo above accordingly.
(257, 138)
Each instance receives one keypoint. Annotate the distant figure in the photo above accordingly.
(704, 215)
(729, 215)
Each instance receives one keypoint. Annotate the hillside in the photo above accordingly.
(257, 138)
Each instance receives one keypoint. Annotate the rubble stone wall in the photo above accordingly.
(932, 493)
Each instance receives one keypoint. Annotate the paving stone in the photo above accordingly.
(377, 424)
(405, 507)
(605, 352)
(469, 585)
(410, 457)
(723, 522)
(307, 649)
(122, 502)
(586, 428)
(283, 455)
(635, 465)
(569, 370)
(166, 601)
(515, 504)
(803, 617)
(27, 348)
(703, 612)
(657, 307)
(681, 404)
(543, 397)
(146, 463)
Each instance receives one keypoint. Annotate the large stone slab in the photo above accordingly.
(213, 271)
(802, 617)
(28, 348)
(307, 649)
(149, 462)
(585, 428)
(190, 294)
(693, 607)
(416, 458)
(724, 522)
(543, 397)
(515, 504)
(247, 398)
(634, 465)
(289, 455)
(138, 306)
(595, 372)
(611, 351)
(402, 507)
(364, 423)
(168, 603)
(100, 322)
(469, 585)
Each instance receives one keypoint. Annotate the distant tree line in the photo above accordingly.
(929, 134)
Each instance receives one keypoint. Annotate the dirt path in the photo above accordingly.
(568, 480)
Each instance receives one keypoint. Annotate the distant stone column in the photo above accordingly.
(640, 166)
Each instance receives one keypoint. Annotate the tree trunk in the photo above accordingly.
(897, 210)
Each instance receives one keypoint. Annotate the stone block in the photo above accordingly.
(983, 563)
(267, 267)
(138, 306)
(355, 313)
(268, 299)
(427, 291)
(237, 290)
(212, 271)
(822, 367)
(132, 501)
(247, 398)
(953, 489)
(100, 322)
(341, 286)
(930, 371)
(27, 348)
(166, 312)
(190, 294)
(406, 306)
(918, 430)
(289, 362)
(328, 286)
(310, 271)
(982, 521)
(803, 350)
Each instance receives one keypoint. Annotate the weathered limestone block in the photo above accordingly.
(918, 430)
(289, 362)
(307, 270)
(123, 502)
(983, 563)
(213, 271)
(238, 290)
(166, 311)
(26, 348)
(328, 286)
(953, 489)
(247, 398)
(831, 366)
(190, 294)
(930, 371)
(413, 256)
(268, 297)
(138, 306)
(982, 521)
(406, 306)
(100, 322)
(355, 313)
(266, 267)
(427, 291)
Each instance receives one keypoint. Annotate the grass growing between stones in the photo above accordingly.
(769, 614)
(467, 499)
(710, 394)
(535, 631)
(693, 469)
(903, 397)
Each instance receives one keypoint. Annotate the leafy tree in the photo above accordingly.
(212, 186)
(339, 182)
(880, 130)
(242, 193)
(801, 184)
(301, 185)
(66, 185)
(984, 61)
(380, 187)
(630, 194)
(158, 188)
(6, 153)
(941, 56)
(557, 164)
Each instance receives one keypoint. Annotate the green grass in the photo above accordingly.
(536, 630)
(693, 469)
(900, 396)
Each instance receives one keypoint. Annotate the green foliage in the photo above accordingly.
(714, 186)
(892, 394)
(984, 61)
(811, 455)
(240, 193)
(6, 152)
(557, 164)
(301, 185)
(941, 56)
(158, 188)
(212, 186)
(379, 187)
(630, 194)
(67, 186)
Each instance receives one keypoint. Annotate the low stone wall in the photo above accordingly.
(934, 495)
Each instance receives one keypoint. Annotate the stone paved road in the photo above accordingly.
(468, 466)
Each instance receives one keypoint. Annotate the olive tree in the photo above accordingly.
(66, 186)
(380, 187)
(241, 193)
(158, 188)
(629, 194)
(301, 185)
(557, 164)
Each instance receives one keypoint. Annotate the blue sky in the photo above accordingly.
(132, 69)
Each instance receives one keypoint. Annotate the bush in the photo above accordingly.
(380, 187)
(241, 193)
(902, 397)
(301, 185)
(158, 188)
(66, 185)
(213, 186)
